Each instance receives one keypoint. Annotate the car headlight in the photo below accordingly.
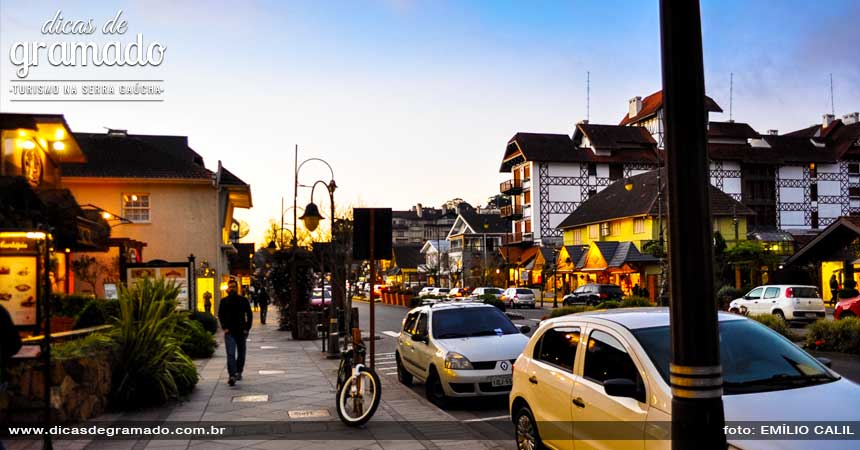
(454, 360)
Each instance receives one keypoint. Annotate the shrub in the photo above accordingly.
(208, 321)
(726, 294)
(69, 305)
(634, 301)
(489, 299)
(197, 342)
(97, 312)
(773, 322)
(151, 367)
(836, 336)
(609, 304)
(82, 347)
(563, 311)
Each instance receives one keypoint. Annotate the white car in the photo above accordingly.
(519, 297)
(580, 372)
(426, 290)
(791, 302)
(458, 350)
(494, 291)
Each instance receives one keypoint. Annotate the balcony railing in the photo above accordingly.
(511, 187)
(512, 212)
(517, 238)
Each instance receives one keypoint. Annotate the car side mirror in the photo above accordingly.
(419, 337)
(621, 387)
(826, 361)
(525, 329)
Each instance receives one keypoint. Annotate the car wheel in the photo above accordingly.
(779, 314)
(734, 311)
(525, 430)
(846, 314)
(434, 391)
(403, 376)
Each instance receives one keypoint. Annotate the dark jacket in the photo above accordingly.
(235, 314)
(10, 341)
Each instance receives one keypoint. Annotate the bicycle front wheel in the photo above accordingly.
(359, 397)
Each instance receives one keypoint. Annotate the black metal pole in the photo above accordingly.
(333, 350)
(695, 372)
(47, 443)
(372, 286)
(294, 314)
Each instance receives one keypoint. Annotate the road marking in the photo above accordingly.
(393, 334)
(390, 373)
(385, 354)
(487, 419)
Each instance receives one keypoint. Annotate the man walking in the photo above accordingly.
(263, 301)
(236, 319)
(834, 289)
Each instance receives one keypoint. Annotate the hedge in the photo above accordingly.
(773, 322)
(563, 311)
(208, 321)
(835, 335)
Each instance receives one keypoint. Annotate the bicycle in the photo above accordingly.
(358, 386)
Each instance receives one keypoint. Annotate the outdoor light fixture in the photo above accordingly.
(106, 215)
(311, 217)
(59, 146)
(628, 185)
(28, 145)
(60, 134)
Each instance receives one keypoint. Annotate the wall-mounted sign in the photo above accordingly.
(111, 292)
(19, 268)
(176, 272)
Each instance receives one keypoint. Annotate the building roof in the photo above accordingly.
(576, 253)
(654, 102)
(615, 202)
(612, 138)
(119, 155)
(407, 256)
(229, 178)
(485, 223)
(830, 242)
(731, 130)
(438, 244)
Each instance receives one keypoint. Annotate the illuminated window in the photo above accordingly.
(639, 225)
(135, 207)
(577, 237)
(592, 231)
(812, 172)
(604, 229)
(616, 228)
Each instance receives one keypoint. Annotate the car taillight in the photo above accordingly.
(789, 293)
(604, 295)
(516, 297)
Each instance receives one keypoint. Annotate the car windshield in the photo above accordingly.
(773, 363)
(610, 289)
(470, 322)
(492, 291)
(805, 292)
(524, 291)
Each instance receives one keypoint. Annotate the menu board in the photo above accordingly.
(18, 288)
(179, 275)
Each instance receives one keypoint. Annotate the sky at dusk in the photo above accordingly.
(414, 101)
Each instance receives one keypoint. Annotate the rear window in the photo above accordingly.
(805, 292)
(444, 290)
(492, 291)
(610, 289)
(524, 291)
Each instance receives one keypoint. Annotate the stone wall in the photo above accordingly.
(79, 388)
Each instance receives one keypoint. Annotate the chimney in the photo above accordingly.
(826, 120)
(773, 132)
(419, 210)
(848, 119)
(634, 106)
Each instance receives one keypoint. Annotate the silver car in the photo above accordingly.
(458, 350)
(519, 297)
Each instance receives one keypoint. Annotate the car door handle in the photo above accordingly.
(579, 402)
(533, 379)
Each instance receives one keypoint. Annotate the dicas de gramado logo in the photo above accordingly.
(27, 54)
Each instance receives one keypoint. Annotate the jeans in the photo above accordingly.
(264, 308)
(235, 344)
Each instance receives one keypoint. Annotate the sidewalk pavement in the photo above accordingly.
(294, 379)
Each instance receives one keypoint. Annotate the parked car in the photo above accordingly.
(593, 368)
(425, 291)
(440, 291)
(518, 297)
(459, 292)
(317, 300)
(497, 292)
(458, 350)
(592, 294)
(788, 301)
(848, 307)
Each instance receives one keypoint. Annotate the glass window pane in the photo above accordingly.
(606, 358)
(558, 347)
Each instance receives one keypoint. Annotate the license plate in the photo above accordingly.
(504, 380)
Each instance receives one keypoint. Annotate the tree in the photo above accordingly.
(89, 270)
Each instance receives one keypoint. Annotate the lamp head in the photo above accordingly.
(628, 184)
(331, 187)
(311, 216)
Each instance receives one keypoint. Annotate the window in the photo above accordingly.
(616, 228)
(527, 172)
(639, 226)
(592, 169)
(854, 192)
(409, 324)
(592, 231)
(606, 358)
(812, 172)
(616, 171)
(558, 347)
(813, 219)
(854, 168)
(466, 322)
(528, 226)
(755, 293)
(421, 327)
(771, 292)
(604, 229)
(813, 192)
(527, 197)
(577, 237)
(135, 207)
